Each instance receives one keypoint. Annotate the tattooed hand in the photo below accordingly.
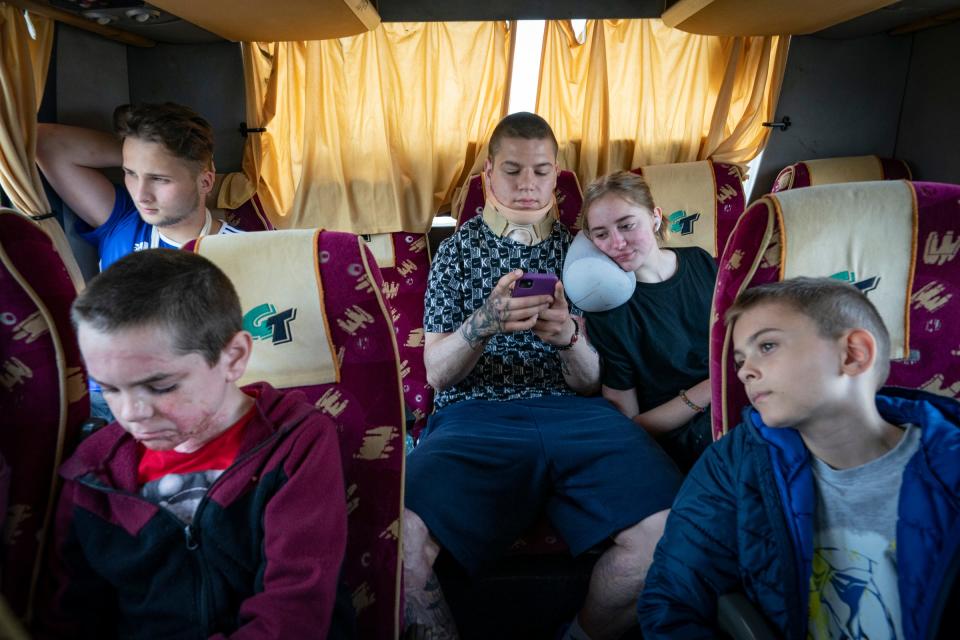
(502, 313)
(553, 325)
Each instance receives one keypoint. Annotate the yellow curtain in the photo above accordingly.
(41, 46)
(23, 75)
(20, 61)
(636, 92)
(372, 133)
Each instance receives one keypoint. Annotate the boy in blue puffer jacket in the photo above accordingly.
(834, 508)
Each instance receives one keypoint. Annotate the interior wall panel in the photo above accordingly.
(206, 77)
(91, 81)
(843, 98)
(929, 133)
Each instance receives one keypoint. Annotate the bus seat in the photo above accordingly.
(471, 198)
(810, 173)
(43, 392)
(896, 240)
(327, 287)
(249, 216)
(404, 261)
(701, 200)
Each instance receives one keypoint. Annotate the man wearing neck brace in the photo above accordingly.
(515, 432)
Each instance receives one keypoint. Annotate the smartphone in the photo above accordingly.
(535, 284)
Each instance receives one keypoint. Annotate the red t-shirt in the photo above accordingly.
(178, 481)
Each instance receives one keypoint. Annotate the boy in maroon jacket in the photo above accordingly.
(206, 509)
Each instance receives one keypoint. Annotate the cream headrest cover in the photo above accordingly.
(852, 169)
(593, 281)
(861, 232)
(687, 194)
(381, 245)
(277, 277)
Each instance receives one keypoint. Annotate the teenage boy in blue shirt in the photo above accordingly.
(166, 152)
(832, 507)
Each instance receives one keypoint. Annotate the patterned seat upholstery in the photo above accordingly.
(897, 241)
(43, 392)
(404, 261)
(701, 201)
(249, 216)
(365, 402)
(810, 173)
(471, 199)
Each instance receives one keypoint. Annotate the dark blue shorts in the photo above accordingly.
(484, 470)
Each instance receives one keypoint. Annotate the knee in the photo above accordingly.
(639, 541)
(419, 547)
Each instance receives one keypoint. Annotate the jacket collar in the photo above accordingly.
(935, 415)
(111, 454)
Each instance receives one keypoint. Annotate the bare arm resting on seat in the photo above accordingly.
(70, 158)
(666, 417)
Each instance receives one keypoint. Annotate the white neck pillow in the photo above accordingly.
(593, 281)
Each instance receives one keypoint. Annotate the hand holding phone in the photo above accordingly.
(535, 284)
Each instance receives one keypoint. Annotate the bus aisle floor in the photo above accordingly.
(519, 597)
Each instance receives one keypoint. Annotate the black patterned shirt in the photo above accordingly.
(467, 266)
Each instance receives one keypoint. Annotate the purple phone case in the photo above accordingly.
(535, 284)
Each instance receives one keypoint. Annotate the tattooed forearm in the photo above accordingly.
(486, 321)
(469, 332)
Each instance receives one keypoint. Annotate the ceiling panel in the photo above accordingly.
(254, 20)
(897, 15)
(769, 17)
(440, 10)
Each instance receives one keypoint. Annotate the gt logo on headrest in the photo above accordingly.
(263, 322)
(682, 222)
(866, 285)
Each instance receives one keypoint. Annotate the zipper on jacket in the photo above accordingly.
(192, 543)
(249, 454)
(192, 533)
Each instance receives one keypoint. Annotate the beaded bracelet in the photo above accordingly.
(687, 401)
(573, 338)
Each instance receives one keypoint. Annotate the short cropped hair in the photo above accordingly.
(627, 186)
(181, 130)
(833, 305)
(178, 291)
(525, 125)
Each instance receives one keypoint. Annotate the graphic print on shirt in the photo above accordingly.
(853, 587)
(181, 493)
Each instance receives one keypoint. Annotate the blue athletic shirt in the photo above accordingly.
(125, 231)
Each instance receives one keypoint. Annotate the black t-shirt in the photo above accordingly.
(658, 341)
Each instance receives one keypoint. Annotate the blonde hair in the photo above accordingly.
(627, 186)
